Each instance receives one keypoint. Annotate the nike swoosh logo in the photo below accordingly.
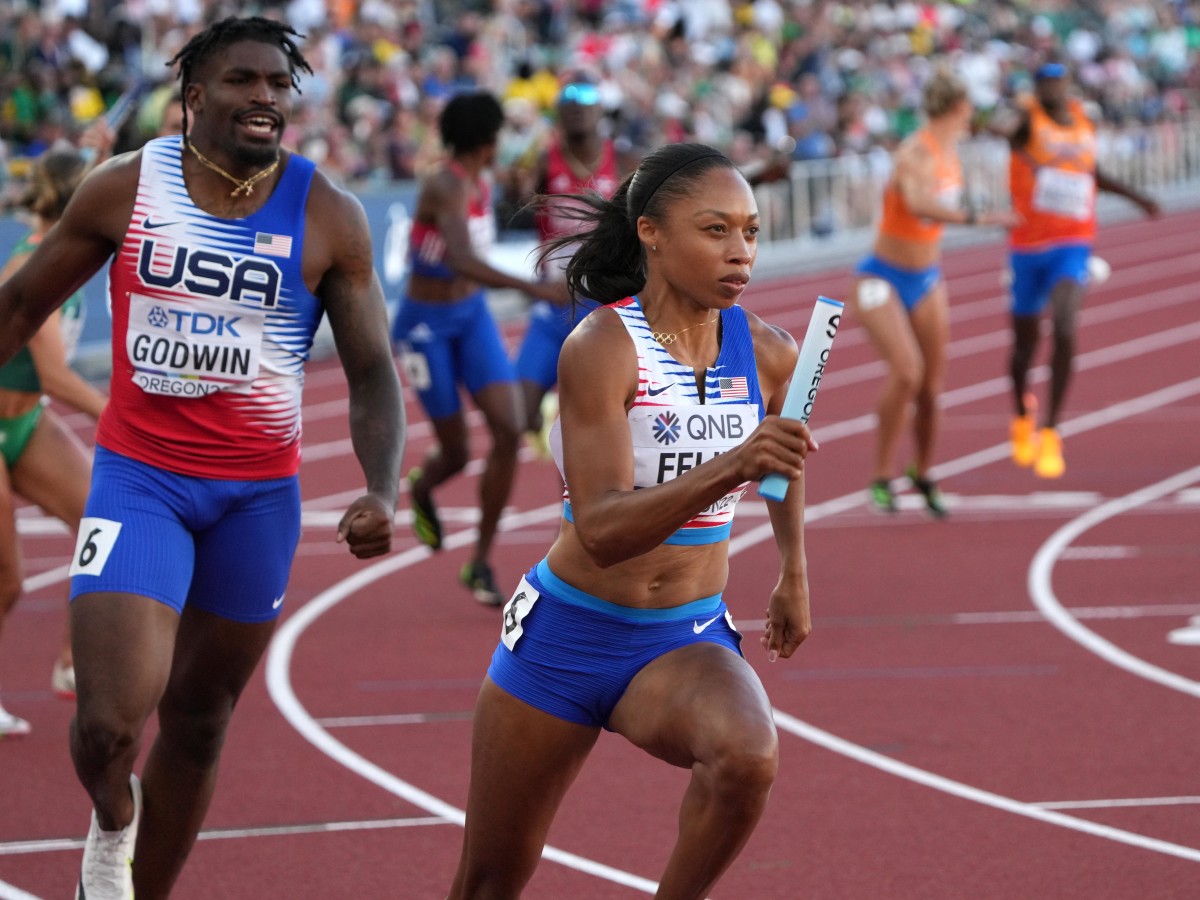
(654, 392)
(152, 225)
(278, 602)
(698, 627)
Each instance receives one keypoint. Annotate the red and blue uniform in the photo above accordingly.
(427, 244)
(549, 324)
(674, 427)
(445, 344)
(675, 424)
(195, 495)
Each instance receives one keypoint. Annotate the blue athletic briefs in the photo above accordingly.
(443, 345)
(548, 327)
(219, 545)
(1035, 275)
(576, 654)
(912, 285)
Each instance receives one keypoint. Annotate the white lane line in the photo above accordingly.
(1044, 598)
(44, 579)
(1166, 610)
(1186, 636)
(55, 845)
(1136, 305)
(12, 892)
(1126, 803)
(1001, 617)
(396, 719)
(279, 686)
(824, 739)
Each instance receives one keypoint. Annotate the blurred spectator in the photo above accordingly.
(835, 76)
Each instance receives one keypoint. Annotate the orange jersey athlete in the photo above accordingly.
(1053, 178)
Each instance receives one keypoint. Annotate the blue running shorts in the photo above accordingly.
(222, 546)
(911, 284)
(1034, 275)
(548, 327)
(443, 345)
(573, 655)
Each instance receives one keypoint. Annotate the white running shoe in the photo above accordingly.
(107, 872)
(62, 681)
(12, 726)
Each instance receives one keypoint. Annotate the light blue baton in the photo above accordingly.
(810, 367)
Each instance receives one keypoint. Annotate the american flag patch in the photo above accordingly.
(275, 245)
(733, 387)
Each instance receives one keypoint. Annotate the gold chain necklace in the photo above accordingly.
(244, 185)
(670, 337)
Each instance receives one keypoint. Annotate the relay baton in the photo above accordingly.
(123, 106)
(802, 392)
(120, 111)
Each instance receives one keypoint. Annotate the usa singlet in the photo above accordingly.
(674, 428)
(212, 326)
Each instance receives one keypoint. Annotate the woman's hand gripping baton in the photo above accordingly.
(810, 368)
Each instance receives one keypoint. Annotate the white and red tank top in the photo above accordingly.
(212, 326)
(427, 244)
(674, 428)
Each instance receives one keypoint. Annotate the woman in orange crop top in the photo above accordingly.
(899, 296)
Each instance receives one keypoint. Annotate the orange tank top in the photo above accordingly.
(1053, 179)
(898, 220)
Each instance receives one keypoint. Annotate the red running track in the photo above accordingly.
(1001, 705)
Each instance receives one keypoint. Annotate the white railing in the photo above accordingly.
(841, 197)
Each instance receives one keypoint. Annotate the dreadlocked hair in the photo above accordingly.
(232, 30)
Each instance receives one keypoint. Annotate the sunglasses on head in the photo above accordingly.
(580, 93)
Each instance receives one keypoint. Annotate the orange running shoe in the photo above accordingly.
(1023, 434)
(1049, 463)
(1024, 441)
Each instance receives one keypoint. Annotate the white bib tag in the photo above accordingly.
(193, 349)
(515, 611)
(668, 441)
(95, 542)
(1064, 193)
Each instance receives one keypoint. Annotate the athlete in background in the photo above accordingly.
(580, 159)
(447, 337)
(41, 459)
(184, 552)
(900, 296)
(1053, 179)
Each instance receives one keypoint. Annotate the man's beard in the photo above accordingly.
(256, 155)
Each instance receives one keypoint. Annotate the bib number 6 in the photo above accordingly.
(95, 542)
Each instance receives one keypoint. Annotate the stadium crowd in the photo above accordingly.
(817, 78)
